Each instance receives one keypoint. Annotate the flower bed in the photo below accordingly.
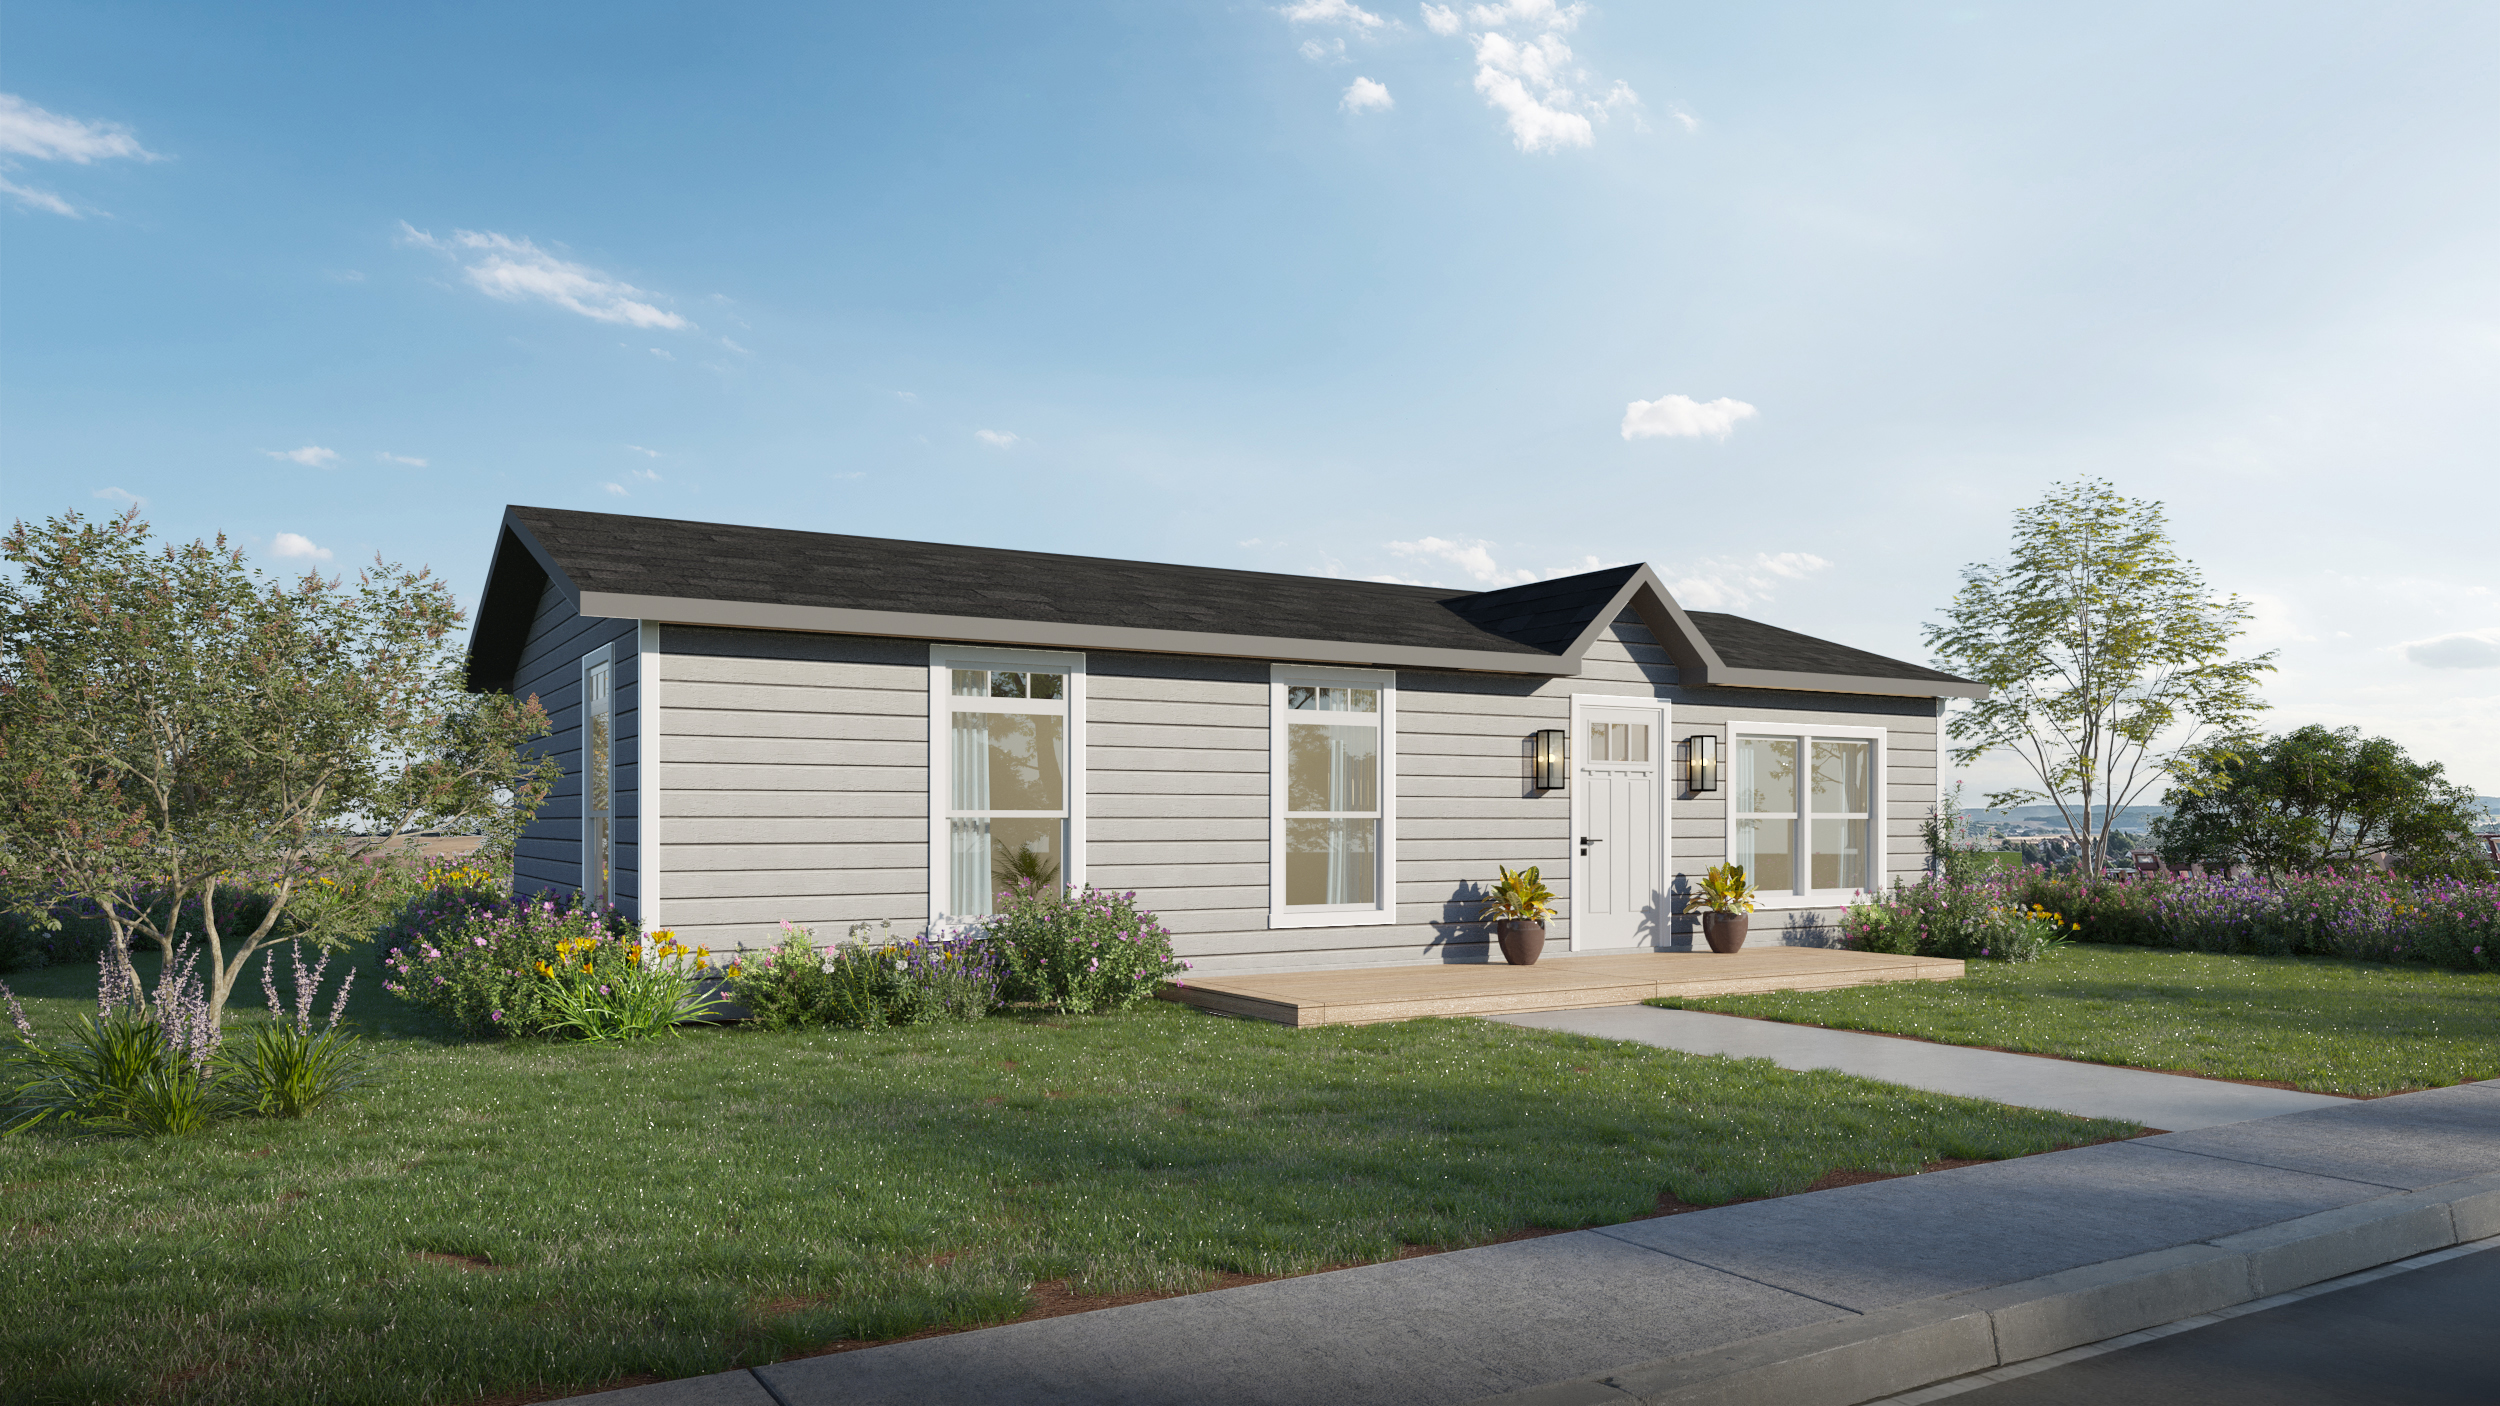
(2364, 914)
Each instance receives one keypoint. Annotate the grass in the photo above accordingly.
(526, 1218)
(2322, 1024)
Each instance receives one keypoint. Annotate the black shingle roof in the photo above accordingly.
(1749, 644)
(615, 555)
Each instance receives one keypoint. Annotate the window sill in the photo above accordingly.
(1820, 898)
(1325, 918)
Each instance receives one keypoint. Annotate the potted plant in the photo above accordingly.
(1727, 898)
(1519, 907)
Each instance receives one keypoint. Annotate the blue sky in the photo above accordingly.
(1797, 303)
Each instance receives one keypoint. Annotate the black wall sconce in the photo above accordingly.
(1701, 763)
(1550, 758)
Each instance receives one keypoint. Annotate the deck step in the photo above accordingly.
(1368, 995)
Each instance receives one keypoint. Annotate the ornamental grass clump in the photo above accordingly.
(160, 1065)
(479, 962)
(863, 984)
(1081, 952)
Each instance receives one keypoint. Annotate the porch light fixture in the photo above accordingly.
(1551, 762)
(1701, 763)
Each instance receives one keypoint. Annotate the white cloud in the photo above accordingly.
(1441, 20)
(1678, 416)
(516, 270)
(1331, 12)
(29, 131)
(295, 544)
(995, 439)
(1331, 52)
(733, 346)
(311, 456)
(1363, 95)
(1473, 559)
(1526, 82)
(2471, 649)
(647, 475)
(121, 495)
(648, 453)
(1535, 14)
(1729, 583)
(1689, 122)
(616, 488)
(37, 199)
(409, 459)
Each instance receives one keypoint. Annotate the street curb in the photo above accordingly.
(1911, 1345)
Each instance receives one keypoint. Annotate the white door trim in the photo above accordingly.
(1665, 753)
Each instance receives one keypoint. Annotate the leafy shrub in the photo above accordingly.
(1982, 917)
(611, 987)
(1085, 952)
(866, 984)
(477, 958)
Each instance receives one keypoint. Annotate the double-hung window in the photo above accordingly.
(1333, 797)
(1805, 810)
(1006, 774)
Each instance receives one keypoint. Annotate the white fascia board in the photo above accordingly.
(970, 629)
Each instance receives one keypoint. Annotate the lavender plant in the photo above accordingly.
(139, 1065)
(284, 1066)
(864, 983)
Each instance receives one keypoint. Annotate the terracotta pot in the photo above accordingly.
(1523, 940)
(1725, 931)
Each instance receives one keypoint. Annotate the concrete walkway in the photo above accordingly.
(1837, 1296)
(2172, 1102)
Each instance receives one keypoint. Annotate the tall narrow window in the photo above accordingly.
(598, 778)
(1334, 743)
(1805, 810)
(1007, 781)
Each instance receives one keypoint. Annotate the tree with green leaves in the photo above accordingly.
(200, 751)
(2318, 796)
(2109, 664)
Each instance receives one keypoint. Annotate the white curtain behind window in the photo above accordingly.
(968, 892)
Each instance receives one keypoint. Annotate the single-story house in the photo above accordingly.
(758, 724)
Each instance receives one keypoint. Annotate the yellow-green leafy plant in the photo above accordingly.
(1520, 894)
(1725, 889)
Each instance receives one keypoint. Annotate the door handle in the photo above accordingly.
(1586, 841)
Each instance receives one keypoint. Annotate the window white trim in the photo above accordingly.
(943, 660)
(1879, 819)
(598, 664)
(1383, 909)
(647, 774)
(1668, 782)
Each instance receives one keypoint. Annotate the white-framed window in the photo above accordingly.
(1332, 799)
(599, 775)
(1006, 774)
(1805, 810)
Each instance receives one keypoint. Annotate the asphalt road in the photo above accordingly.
(2430, 1336)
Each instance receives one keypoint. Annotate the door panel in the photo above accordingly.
(1619, 873)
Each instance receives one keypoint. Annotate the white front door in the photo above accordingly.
(1619, 869)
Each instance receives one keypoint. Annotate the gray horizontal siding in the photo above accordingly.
(796, 787)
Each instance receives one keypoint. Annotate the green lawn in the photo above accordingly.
(497, 1218)
(2314, 1023)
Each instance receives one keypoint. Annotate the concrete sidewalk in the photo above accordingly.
(1836, 1296)
(2175, 1102)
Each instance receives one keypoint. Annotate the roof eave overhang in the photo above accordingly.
(491, 631)
(972, 629)
(1844, 683)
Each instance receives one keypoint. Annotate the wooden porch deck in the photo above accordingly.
(1364, 995)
